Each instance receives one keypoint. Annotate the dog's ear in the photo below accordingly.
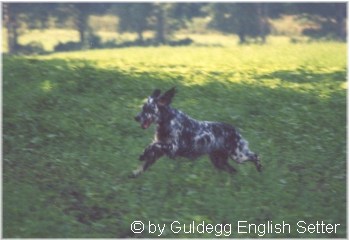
(155, 93)
(166, 97)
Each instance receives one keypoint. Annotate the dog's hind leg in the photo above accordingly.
(256, 160)
(220, 161)
(243, 154)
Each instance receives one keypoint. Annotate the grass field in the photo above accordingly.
(70, 141)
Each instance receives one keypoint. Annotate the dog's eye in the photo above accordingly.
(146, 108)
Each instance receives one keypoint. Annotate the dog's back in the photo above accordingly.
(192, 138)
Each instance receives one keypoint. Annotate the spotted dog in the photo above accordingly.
(179, 135)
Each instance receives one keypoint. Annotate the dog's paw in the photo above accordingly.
(259, 167)
(132, 175)
(136, 173)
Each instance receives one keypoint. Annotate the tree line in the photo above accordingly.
(247, 20)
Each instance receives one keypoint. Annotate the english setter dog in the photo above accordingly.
(179, 135)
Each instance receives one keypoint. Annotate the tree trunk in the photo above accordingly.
(341, 23)
(241, 37)
(241, 31)
(140, 36)
(11, 26)
(262, 15)
(82, 25)
(160, 31)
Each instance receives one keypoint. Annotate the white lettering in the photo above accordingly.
(318, 227)
(176, 227)
(241, 226)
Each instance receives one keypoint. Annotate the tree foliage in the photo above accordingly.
(81, 13)
(333, 17)
(247, 20)
(17, 14)
(134, 17)
(162, 18)
(244, 19)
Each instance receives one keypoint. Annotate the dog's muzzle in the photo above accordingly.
(145, 123)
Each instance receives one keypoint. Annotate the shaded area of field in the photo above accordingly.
(70, 142)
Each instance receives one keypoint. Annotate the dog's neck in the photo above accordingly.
(167, 113)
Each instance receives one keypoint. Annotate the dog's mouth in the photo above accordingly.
(146, 123)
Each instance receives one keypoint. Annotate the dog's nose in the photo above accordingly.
(137, 118)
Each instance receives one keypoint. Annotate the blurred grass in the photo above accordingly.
(69, 139)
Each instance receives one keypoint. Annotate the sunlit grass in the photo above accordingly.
(49, 38)
(237, 64)
(46, 86)
(231, 57)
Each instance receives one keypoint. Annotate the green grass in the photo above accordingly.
(70, 141)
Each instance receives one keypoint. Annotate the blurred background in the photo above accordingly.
(45, 27)
(76, 74)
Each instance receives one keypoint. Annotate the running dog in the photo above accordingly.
(179, 135)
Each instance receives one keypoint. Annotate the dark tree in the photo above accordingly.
(10, 14)
(30, 14)
(334, 15)
(244, 19)
(160, 11)
(163, 18)
(138, 17)
(134, 17)
(173, 16)
(81, 12)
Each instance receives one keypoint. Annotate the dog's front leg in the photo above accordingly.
(149, 156)
(154, 151)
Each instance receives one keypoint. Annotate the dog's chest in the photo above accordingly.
(169, 132)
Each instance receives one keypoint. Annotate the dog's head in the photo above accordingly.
(150, 111)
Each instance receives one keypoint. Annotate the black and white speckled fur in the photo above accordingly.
(179, 135)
